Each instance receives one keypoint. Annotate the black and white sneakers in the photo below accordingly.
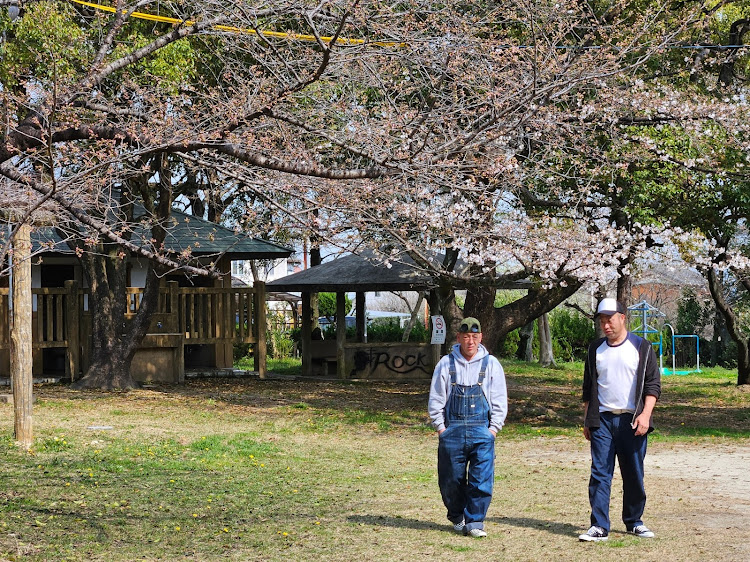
(642, 531)
(594, 534)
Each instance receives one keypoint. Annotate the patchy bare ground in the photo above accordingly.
(716, 470)
(698, 494)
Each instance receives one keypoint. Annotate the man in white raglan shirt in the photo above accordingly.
(621, 384)
(467, 405)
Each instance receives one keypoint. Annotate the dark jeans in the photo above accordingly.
(466, 472)
(615, 437)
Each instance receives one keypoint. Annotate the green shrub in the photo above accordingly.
(327, 305)
(384, 330)
(329, 332)
(381, 330)
(508, 346)
(419, 333)
(240, 350)
(279, 344)
(389, 330)
(571, 334)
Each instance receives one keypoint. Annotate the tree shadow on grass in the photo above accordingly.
(398, 522)
(554, 527)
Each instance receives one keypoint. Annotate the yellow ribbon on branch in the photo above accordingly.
(232, 29)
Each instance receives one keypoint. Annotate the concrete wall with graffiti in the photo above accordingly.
(389, 361)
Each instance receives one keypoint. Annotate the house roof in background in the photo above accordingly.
(670, 276)
(188, 233)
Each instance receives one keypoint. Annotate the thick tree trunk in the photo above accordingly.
(625, 288)
(546, 356)
(480, 303)
(108, 372)
(732, 326)
(451, 313)
(113, 343)
(743, 363)
(498, 322)
(110, 364)
(526, 343)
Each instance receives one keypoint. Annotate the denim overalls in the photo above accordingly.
(467, 441)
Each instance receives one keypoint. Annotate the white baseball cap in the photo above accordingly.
(610, 306)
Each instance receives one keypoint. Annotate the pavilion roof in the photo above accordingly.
(187, 233)
(360, 273)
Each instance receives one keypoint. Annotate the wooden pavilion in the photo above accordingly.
(358, 359)
(197, 324)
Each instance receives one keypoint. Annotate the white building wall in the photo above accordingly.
(267, 270)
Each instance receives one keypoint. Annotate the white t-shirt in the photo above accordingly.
(617, 367)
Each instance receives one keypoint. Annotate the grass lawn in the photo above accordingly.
(284, 469)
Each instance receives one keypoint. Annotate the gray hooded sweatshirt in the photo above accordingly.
(467, 374)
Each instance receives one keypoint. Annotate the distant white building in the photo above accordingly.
(268, 270)
(393, 304)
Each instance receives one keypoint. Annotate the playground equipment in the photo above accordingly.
(674, 370)
(648, 315)
(645, 312)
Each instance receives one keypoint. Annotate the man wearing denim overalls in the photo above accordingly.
(468, 404)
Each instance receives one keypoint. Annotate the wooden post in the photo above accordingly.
(260, 351)
(73, 327)
(361, 313)
(20, 337)
(306, 335)
(173, 287)
(340, 335)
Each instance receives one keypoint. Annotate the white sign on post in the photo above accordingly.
(438, 330)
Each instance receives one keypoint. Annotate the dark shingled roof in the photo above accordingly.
(361, 273)
(201, 237)
(355, 273)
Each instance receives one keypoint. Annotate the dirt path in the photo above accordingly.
(715, 470)
(704, 497)
(698, 495)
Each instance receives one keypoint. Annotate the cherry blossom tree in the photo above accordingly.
(489, 135)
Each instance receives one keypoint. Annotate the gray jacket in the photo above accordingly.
(467, 373)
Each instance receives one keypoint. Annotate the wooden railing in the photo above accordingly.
(202, 314)
(221, 316)
(49, 323)
(208, 315)
(50, 320)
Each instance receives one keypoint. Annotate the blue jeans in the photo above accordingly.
(466, 472)
(615, 438)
